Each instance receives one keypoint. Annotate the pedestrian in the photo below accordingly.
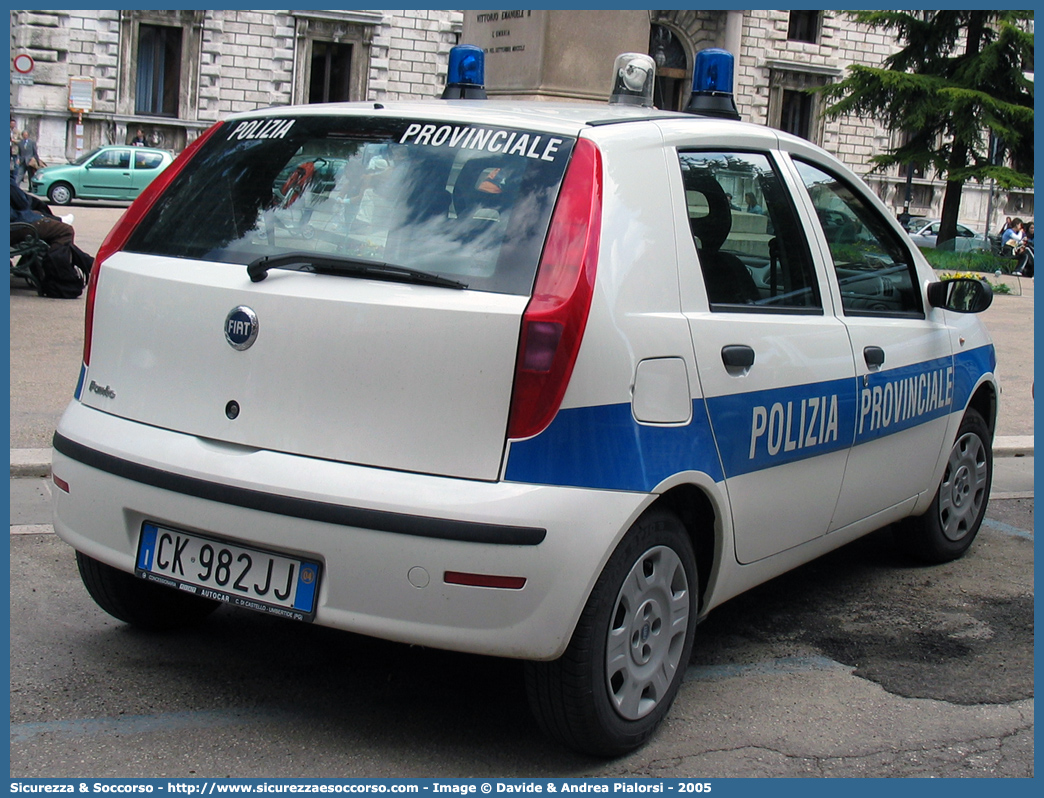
(1011, 239)
(139, 139)
(1025, 253)
(15, 136)
(752, 203)
(28, 157)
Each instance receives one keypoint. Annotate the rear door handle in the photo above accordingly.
(874, 356)
(737, 356)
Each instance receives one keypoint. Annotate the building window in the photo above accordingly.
(333, 54)
(803, 27)
(329, 81)
(794, 105)
(158, 71)
(796, 113)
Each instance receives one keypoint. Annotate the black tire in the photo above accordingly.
(583, 699)
(61, 193)
(138, 602)
(947, 529)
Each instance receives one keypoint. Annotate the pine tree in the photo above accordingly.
(956, 87)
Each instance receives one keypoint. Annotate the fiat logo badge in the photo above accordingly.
(241, 328)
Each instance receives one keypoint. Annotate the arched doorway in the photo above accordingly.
(672, 69)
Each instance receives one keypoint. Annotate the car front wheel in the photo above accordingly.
(947, 530)
(621, 672)
(60, 194)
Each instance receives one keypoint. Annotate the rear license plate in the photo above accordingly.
(239, 575)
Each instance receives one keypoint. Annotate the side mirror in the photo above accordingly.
(961, 295)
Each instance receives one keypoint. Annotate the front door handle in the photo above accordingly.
(738, 356)
(874, 356)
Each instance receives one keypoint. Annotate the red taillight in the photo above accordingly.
(121, 231)
(554, 321)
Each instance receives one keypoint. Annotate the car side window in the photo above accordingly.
(751, 247)
(112, 159)
(874, 270)
(147, 160)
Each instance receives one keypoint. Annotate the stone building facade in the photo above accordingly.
(174, 73)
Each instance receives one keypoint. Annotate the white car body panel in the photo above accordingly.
(407, 377)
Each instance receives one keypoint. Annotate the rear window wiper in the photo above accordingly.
(353, 267)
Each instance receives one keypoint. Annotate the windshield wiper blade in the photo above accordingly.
(354, 267)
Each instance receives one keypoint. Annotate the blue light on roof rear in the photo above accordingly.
(713, 71)
(712, 85)
(466, 75)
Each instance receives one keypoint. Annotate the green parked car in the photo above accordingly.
(112, 172)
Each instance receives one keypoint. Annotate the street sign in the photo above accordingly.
(23, 63)
(22, 73)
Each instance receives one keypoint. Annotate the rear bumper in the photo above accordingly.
(385, 539)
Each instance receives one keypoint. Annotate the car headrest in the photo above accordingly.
(712, 229)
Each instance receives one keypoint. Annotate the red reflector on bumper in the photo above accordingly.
(484, 580)
(61, 483)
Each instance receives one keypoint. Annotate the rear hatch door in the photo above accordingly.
(337, 287)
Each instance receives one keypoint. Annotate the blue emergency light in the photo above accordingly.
(712, 85)
(466, 76)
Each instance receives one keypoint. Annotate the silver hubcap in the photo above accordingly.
(963, 488)
(647, 633)
(61, 195)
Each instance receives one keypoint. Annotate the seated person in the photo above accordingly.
(63, 275)
(49, 227)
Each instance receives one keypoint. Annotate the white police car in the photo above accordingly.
(514, 379)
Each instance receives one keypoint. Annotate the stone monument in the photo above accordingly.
(554, 54)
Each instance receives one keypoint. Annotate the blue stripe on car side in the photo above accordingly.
(762, 429)
(604, 447)
(897, 399)
(968, 367)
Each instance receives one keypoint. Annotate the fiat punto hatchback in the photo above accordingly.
(513, 379)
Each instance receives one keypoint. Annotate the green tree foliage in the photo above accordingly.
(957, 79)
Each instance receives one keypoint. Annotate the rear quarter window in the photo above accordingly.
(468, 202)
(147, 160)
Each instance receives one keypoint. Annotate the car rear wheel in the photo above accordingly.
(618, 678)
(60, 193)
(947, 530)
(140, 603)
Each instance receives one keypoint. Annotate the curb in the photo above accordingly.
(37, 462)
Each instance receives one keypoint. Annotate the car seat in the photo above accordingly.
(728, 281)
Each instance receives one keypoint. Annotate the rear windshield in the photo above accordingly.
(468, 202)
